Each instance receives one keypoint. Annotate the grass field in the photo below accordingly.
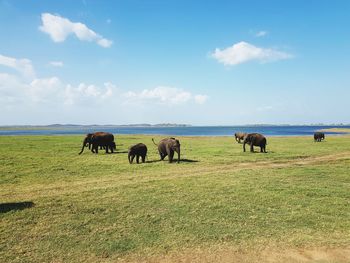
(218, 205)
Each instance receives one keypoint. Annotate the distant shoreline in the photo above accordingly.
(166, 125)
(337, 130)
(180, 130)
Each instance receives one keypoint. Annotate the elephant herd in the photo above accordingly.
(105, 140)
(168, 146)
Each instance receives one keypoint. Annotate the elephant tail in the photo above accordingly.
(154, 142)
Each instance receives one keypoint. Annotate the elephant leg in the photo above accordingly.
(261, 149)
(138, 158)
(251, 147)
(162, 156)
(143, 158)
(171, 156)
(111, 148)
(243, 146)
(132, 158)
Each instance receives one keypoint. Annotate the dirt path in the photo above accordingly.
(270, 255)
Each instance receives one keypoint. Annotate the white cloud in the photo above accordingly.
(48, 90)
(261, 33)
(87, 94)
(165, 95)
(23, 66)
(200, 99)
(56, 63)
(59, 28)
(243, 52)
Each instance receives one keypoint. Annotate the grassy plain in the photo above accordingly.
(218, 205)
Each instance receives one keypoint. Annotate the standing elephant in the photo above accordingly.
(99, 139)
(318, 136)
(255, 139)
(137, 150)
(240, 136)
(167, 147)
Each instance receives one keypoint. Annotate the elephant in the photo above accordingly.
(318, 136)
(240, 136)
(255, 139)
(99, 139)
(137, 150)
(168, 146)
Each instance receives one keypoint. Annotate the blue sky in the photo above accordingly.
(194, 62)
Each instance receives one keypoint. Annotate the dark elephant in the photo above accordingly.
(240, 136)
(99, 139)
(137, 150)
(87, 140)
(167, 147)
(255, 139)
(318, 136)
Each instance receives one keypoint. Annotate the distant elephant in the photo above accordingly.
(318, 136)
(255, 139)
(240, 136)
(99, 139)
(167, 147)
(137, 150)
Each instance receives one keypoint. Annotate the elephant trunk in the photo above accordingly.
(178, 156)
(82, 149)
(129, 157)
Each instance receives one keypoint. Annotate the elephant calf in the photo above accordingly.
(137, 150)
(318, 136)
(255, 139)
(167, 147)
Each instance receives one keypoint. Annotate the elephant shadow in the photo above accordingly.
(174, 161)
(189, 161)
(7, 207)
(118, 152)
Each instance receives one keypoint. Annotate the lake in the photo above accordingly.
(176, 131)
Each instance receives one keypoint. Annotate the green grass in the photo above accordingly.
(90, 208)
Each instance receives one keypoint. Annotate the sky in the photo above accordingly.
(174, 61)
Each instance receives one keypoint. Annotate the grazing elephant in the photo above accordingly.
(168, 146)
(318, 136)
(87, 140)
(239, 136)
(99, 139)
(137, 150)
(255, 139)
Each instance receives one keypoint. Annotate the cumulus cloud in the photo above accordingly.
(261, 33)
(84, 93)
(44, 89)
(52, 91)
(165, 95)
(56, 63)
(23, 66)
(244, 52)
(59, 28)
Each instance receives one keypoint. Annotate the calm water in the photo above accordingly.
(181, 131)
